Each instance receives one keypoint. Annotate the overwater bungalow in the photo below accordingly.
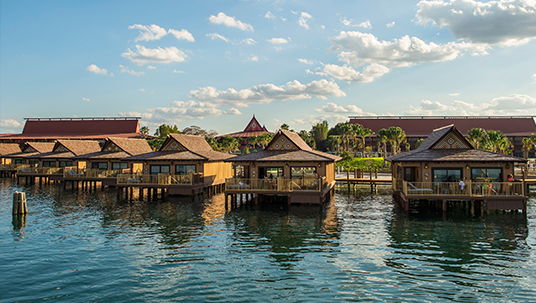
(447, 167)
(104, 166)
(287, 167)
(7, 168)
(184, 165)
(50, 165)
(19, 160)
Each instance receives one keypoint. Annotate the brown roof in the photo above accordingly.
(427, 152)
(253, 128)
(191, 143)
(131, 146)
(422, 126)
(79, 147)
(104, 156)
(295, 138)
(181, 155)
(41, 147)
(286, 155)
(9, 148)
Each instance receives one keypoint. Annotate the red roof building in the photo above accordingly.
(514, 127)
(50, 129)
(253, 128)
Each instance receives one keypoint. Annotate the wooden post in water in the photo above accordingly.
(19, 203)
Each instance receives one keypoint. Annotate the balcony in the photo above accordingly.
(454, 190)
(275, 185)
(25, 171)
(91, 173)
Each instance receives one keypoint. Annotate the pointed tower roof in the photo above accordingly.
(253, 128)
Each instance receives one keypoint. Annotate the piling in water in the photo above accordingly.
(19, 203)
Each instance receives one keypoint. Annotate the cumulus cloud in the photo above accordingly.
(332, 119)
(178, 71)
(348, 73)
(304, 17)
(504, 22)
(86, 99)
(534, 78)
(358, 48)
(129, 71)
(266, 93)
(334, 108)
(182, 34)
(233, 111)
(144, 55)
(514, 104)
(269, 15)
(249, 41)
(365, 24)
(253, 58)
(148, 32)
(10, 126)
(215, 36)
(305, 61)
(454, 94)
(278, 40)
(391, 24)
(222, 18)
(97, 70)
(177, 111)
(150, 67)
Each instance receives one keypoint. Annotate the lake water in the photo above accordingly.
(88, 247)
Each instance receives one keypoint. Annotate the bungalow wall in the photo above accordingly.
(423, 171)
(221, 170)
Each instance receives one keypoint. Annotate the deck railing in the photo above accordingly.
(40, 171)
(278, 184)
(13, 166)
(81, 173)
(160, 179)
(452, 189)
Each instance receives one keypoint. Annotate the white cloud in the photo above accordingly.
(361, 48)
(305, 61)
(10, 126)
(233, 111)
(505, 22)
(454, 94)
(142, 89)
(155, 55)
(129, 71)
(215, 36)
(534, 78)
(348, 73)
(249, 41)
(514, 104)
(303, 19)
(266, 93)
(86, 99)
(283, 19)
(334, 108)
(148, 32)
(222, 18)
(178, 71)
(269, 15)
(182, 34)
(278, 40)
(97, 70)
(391, 24)
(150, 67)
(177, 112)
(364, 24)
(332, 119)
(253, 58)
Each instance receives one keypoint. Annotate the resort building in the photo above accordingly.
(447, 167)
(287, 167)
(52, 129)
(184, 165)
(7, 149)
(514, 127)
(30, 149)
(253, 128)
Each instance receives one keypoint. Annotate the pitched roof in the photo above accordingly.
(130, 146)
(40, 147)
(447, 144)
(287, 146)
(9, 148)
(78, 147)
(253, 128)
(189, 142)
(422, 126)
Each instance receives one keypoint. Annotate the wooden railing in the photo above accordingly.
(40, 170)
(470, 189)
(76, 173)
(13, 166)
(279, 184)
(160, 179)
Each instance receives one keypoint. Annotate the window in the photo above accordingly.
(99, 165)
(493, 174)
(184, 169)
(270, 172)
(66, 163)
(159, 169)
(20, 161)
(302, 172)
(119, 165)
(447, 174)
(32, 162)
(240, 171)
(49, 163)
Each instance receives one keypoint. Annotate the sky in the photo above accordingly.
(215, 64)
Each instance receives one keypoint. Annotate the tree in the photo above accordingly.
(230, 144)
(383, 137)
(164, 129)
(144, 131)
(363, 133)
(419, 142)
(396, 136)
(346, 132)
(306, 136)
(213, 142)
(198, 131)
(284, 126)
(476, 136)
(264, 139)
(156, 143)
(319, 132)
(252, 141)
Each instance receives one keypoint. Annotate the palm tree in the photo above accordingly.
(396, 136)
(230, 144)
(419, 142)
(264, 139)
(346, 132)
(477, 136)
(383, 137)
(252, 141)
(319, 132)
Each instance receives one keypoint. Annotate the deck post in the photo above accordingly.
(485, 206)
(141, 193)
(444, 205)
(256, 199)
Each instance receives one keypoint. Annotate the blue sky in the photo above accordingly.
(216, 63)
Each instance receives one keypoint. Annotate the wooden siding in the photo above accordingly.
(219, 169)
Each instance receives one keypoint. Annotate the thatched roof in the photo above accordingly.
(431, 151)
(66, 149)
(40, 147)
(189, 142)
(119, 148)
(9, 148)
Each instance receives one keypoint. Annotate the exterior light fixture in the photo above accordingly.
(426, 165)
(467, 166)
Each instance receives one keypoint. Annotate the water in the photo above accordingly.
(87, 247)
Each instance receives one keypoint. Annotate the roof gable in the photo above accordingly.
(130, 146)
(286, 140)
(40, 147)
(9, 148)
(188, 142)
(254, 126)
(172, 145)
(451, 141)
(77, 147)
